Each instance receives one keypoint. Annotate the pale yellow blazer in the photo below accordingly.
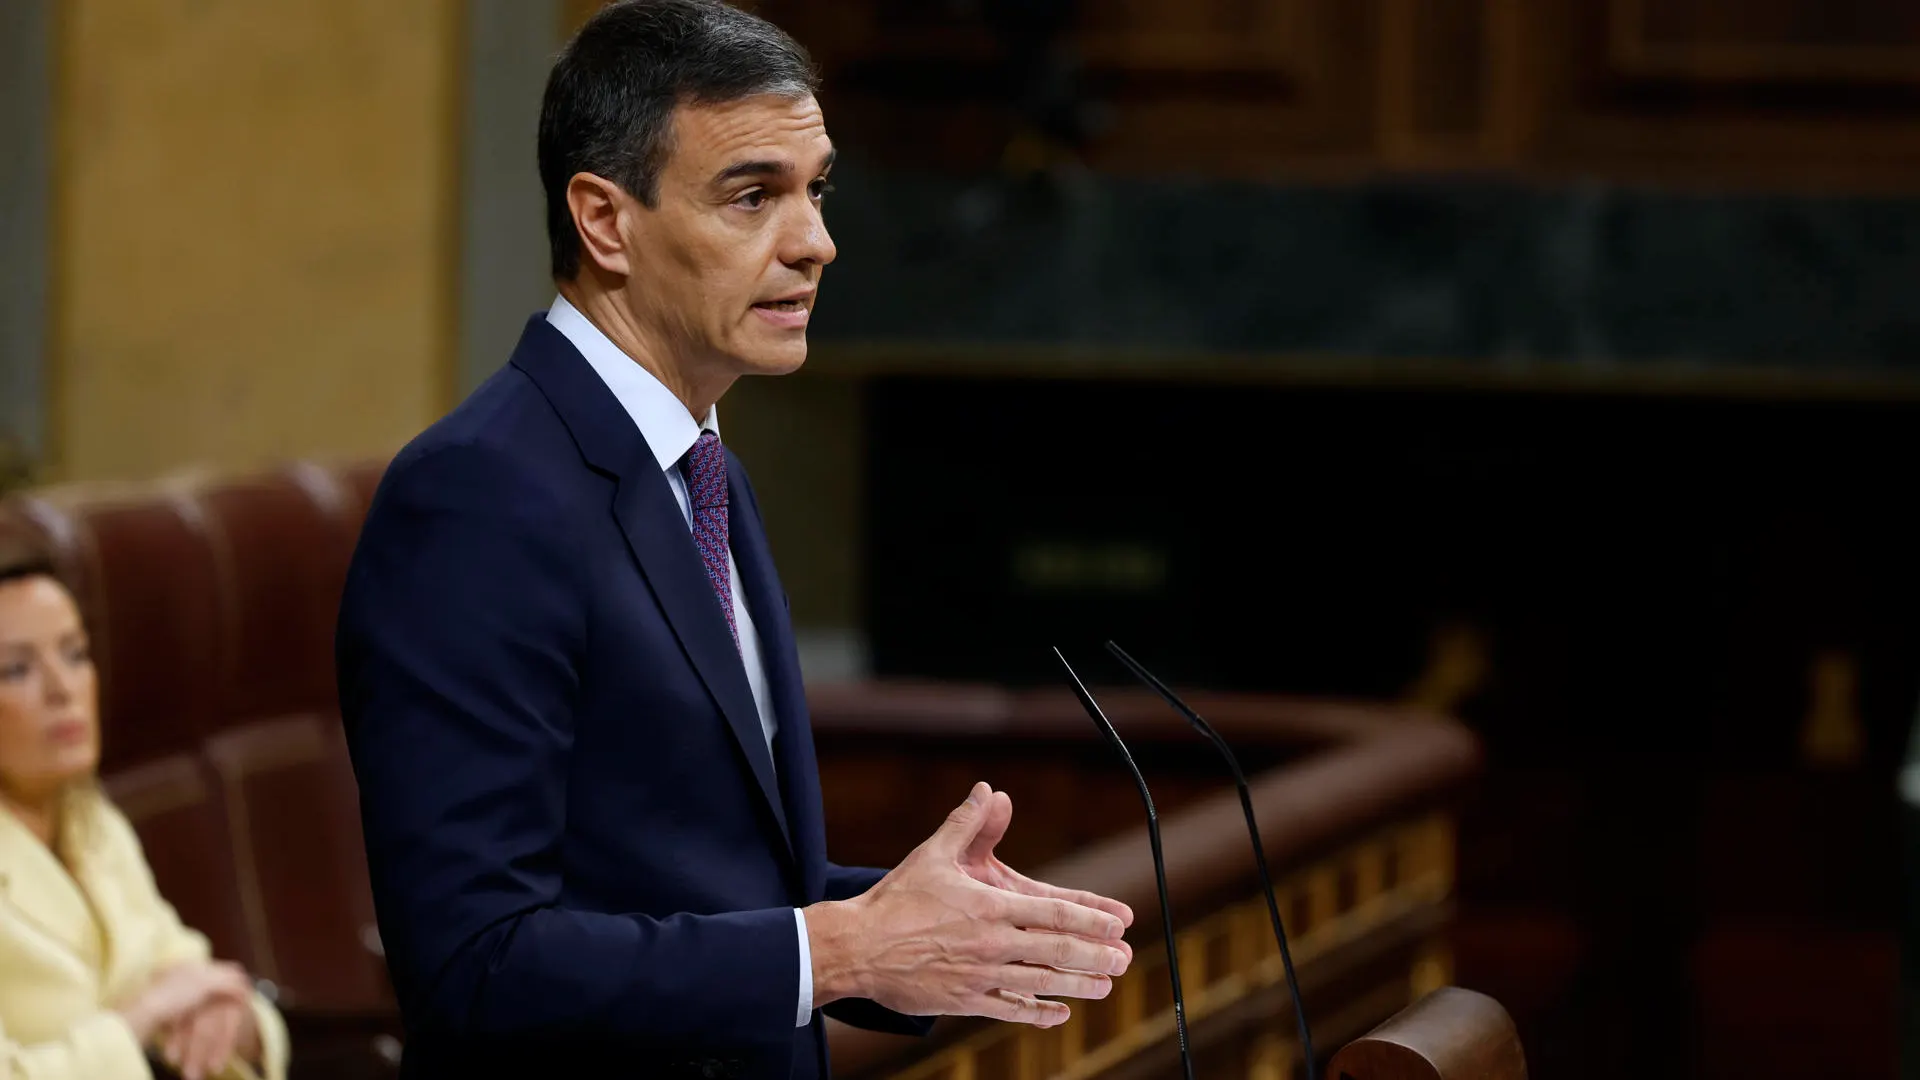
(73, 945)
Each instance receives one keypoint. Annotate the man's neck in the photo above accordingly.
(612, 316)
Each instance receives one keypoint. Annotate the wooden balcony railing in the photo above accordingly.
(1358, 827)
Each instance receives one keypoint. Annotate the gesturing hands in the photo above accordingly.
(204, 1012)
(982, 865)
(954, 931)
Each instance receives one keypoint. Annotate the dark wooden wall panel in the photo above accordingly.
(1778, 91)
(1206, 86)
(1768, 92)
(1832, 40)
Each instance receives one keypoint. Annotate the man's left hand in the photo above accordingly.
(982, 865)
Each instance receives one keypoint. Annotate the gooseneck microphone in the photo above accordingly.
(1253, 831)
(1159, 861)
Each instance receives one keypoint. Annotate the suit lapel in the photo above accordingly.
(656, 532)
(760, 582)
(651, 519)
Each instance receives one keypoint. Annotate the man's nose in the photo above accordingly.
(809, 241)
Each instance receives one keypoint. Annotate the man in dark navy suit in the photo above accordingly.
(587, 781)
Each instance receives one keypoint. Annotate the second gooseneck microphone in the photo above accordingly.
(1253, 831)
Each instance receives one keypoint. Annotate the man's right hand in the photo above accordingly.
(930, 940)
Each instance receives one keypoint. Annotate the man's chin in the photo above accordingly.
(784, 358)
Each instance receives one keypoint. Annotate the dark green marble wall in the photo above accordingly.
(1484, 271)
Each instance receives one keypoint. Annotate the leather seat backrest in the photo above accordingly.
(302, 869)
(280, 543)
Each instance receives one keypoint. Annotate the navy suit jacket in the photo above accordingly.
(584, 859)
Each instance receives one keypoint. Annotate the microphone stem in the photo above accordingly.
(1166, 925)
(1273, 912)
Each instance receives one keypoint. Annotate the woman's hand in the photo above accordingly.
(201, 1043)
(182, 990)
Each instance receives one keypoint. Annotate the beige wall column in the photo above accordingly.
(255, 230)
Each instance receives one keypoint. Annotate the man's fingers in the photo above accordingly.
(1066, 952)
(964, 822)
(1034, 981)
(1093, 900)
(993, 827)
(1024, 884)
(1016, 1008)
(1062, 916)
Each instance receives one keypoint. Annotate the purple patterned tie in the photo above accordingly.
(707, 491)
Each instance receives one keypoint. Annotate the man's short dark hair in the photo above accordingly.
(610, 98)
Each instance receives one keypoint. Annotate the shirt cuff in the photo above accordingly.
(805, 1013)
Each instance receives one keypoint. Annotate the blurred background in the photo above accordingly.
(1550, 364)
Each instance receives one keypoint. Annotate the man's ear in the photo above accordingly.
(598, 206)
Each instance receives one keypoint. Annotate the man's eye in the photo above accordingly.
(752, 200)
(819, 188)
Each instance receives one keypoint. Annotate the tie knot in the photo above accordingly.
(707, 472)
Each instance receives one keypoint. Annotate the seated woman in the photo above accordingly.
(98, 976)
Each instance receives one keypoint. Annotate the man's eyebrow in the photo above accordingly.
(740, 169)
(751, 168)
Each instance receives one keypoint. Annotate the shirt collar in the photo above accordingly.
(662, 418)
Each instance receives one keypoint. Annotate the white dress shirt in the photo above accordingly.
(670, 432)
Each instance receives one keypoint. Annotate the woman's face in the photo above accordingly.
(49, 727)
